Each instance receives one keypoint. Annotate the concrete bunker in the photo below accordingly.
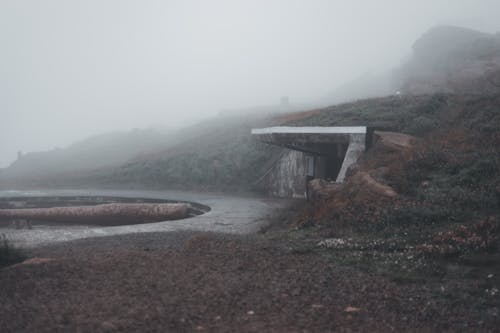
(310, 152)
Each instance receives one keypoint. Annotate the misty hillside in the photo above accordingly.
(216, 152)
(365, 86)
(95, 152)
(223, 155)
(219, 153)
(452, 60)
(445, 59)
(122, 147)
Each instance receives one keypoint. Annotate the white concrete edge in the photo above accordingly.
(311, 130)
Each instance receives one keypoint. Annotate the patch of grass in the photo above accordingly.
(480, 171)
(9, 255)
(416, 115)
(413, 216)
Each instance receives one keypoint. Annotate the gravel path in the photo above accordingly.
(204, 282)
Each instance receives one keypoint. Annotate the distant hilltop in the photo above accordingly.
(452, 60)
(445, 59)
(446, 40)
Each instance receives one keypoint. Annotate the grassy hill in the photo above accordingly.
(220, 154)
(452, 60)
(99, 151)
(445, 59)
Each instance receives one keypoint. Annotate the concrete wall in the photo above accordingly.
(288, 176)
(357, 146)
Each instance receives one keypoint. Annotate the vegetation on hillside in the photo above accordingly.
(9, 254)
(446, 213)
(106, 150)
(451, 69)
(222, 155)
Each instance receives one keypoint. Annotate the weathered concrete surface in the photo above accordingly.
(310, 130)
(322, 152)
(354, 150)
(288, 176)
(237, 214)
(307, 138)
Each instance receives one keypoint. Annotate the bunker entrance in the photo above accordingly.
(327, 164)
(311, 152)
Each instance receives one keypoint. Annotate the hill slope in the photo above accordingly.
(445, 59)
(452, 60)
(219, 153)
(95, 152)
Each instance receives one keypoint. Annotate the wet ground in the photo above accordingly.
(204, 282)
(175, 277)
(235, 214)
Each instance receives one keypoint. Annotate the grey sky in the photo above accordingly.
(69, 69)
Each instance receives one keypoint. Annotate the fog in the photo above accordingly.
(71, 69)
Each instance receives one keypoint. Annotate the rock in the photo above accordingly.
(394, 140)
(366, 181)
(36, 261)
(380, 173)
(352, 309)
(33, 261)
(333, 243)
(319, 188)
(108, 326)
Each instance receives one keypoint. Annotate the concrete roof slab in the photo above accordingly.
(292, 136)
(310, 130)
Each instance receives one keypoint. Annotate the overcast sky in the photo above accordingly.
(70, 69)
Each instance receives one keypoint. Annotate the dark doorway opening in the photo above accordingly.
(333, 165)
(327, 164)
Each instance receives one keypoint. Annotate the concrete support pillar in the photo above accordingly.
(354, 150)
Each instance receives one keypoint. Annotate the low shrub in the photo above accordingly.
(420, 215)
(482, 236)
(8, 254)
(422, 125)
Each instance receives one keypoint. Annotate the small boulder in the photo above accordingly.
(320, 188)
(394, 140)
(364, 180)
(352, 309)
(36, 261)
